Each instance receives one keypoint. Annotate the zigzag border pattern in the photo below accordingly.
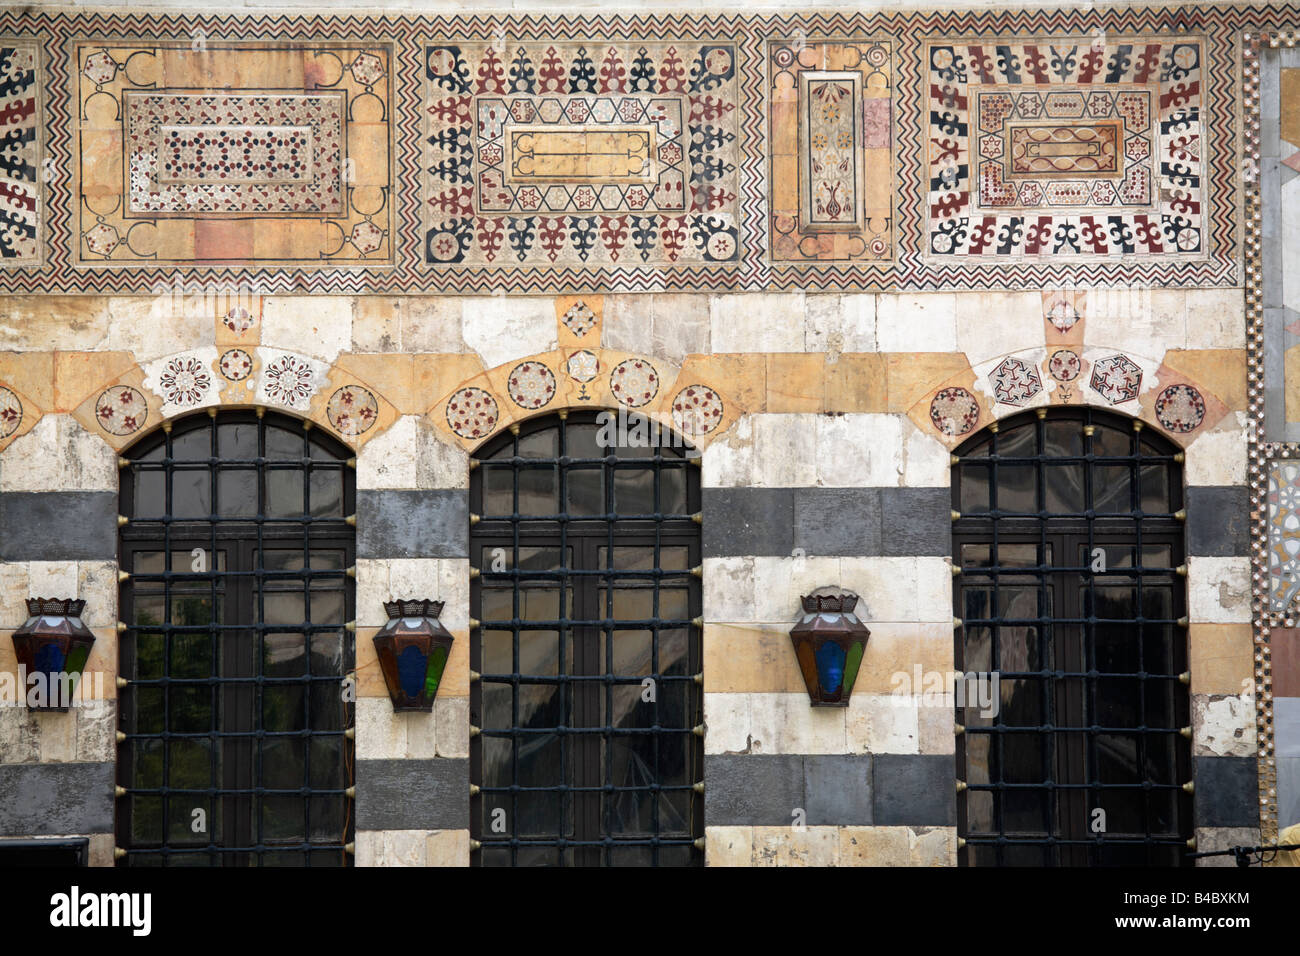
(1222, 23)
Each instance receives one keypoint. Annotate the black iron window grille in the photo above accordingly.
(586, 702)
(236, 715)
(1068, 535)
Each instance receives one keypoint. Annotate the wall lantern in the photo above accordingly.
(829, 642)
(52, 647)
(413, 648)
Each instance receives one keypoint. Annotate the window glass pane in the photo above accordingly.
(1017, 489)
(192, 445)
(326, 488)
(974, 489)
(237, 440)
(1063, 439)
(191, 493)
(150, 493)
(283, 444)
(237, 492)
(1063, 488)
(586, 484)
(673, 499)
(634, 491)
(284, 490)
(1112, 488)
(1156, 489)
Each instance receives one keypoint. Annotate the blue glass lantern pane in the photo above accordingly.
(830, 667)
(49, 659)
(411, 666)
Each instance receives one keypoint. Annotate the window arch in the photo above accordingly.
(588, 647)
(238, 544)
(1069, 542)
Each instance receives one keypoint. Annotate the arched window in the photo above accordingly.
(1069, 544)
(589, 654)
(235, 652)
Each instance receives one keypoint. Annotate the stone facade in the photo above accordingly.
(826, 342)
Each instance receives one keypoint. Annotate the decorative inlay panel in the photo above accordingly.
(11, 412)
(831, 151)
(1081, 150)
(579, 156)
(235, 154)
(241, 155)
(20, 154)
(121, 410)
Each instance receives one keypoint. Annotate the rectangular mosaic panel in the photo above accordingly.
(247, 154)
(1279, 186)
(1081, 150)
(830, 164)
(242, 153)
(20, 159)
(580, 158)
(831, 187)
(1283, 537)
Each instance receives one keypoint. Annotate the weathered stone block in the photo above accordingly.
(56, 798)
(914, 789)
(408, 794)
(431, 523)
(58, 526)
(1227, 792)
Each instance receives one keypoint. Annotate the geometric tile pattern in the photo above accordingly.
(1015, 381)
(581, 157)
(1116, 379)
(252, 153)
(1283, 501)
(1180, 408)
(20, 162)
(1055, 147)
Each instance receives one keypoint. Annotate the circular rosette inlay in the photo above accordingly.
(11, 412)
(697, 410)
(954, 411)
(236, 364)
(532, 385)
(184, 381)
(634, 382)
(352, 410)
(1180, 408)
(472, 413)
(289, 382)
(121, 410)
(1064, 365)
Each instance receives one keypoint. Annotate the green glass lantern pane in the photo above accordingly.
(77, 661)
(437, 661)
(851, 665)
